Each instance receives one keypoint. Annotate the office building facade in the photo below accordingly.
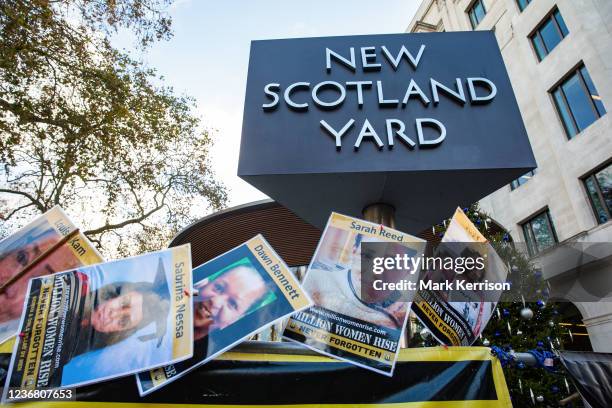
(558, 54)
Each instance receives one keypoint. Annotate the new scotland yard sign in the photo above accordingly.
(424, 122)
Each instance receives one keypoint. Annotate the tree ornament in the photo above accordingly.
(532, 396)
(540, 398)
(551, 323)
(566, 384)
(520, 365)
(506, 312)
(486, 342)
(541, 304)
(554, 389)
(520, 385)
(526, 313)
(540, 344)
(519, 332)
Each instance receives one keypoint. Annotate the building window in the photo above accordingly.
(577, 102)
(539, 233)
(599, 187)
(522, 180)
(476, 12)
(548, 34)
(522, 4)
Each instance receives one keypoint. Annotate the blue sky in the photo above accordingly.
(208, 56)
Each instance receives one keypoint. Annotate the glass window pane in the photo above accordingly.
(550, 35)
(529, 239)
(594, 95)
(473, 18)
(600, 212)
(523, 3)
(479, 11)
(568, 124)
(604, 179)
(561, 23)
(522, 180)
(579, 102)
(539, 46)
(542, 232)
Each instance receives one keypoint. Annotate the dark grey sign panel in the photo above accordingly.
(424, 122)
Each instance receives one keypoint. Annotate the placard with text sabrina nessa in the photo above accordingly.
(104, 321)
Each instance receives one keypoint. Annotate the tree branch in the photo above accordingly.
(30, 197)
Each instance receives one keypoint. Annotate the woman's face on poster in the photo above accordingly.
(226, 299)
(14, 262)
(17, 259)
(121, 313)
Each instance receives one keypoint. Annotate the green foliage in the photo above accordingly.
(85, 126)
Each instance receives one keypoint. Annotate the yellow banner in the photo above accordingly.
(406, 356)
(182, 343)
(370, 229)
(437, 320)
(82, 249)
(342, 343)
(467, 225)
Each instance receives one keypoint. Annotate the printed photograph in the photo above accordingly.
(19, 251)
(104, 321)
(237, 294)
(334, 280)
(229, 295)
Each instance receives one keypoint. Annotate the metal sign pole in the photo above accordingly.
(384, 214)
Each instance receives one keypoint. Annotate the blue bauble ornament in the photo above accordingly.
(520, 365)
(540, 344)
(506, 312)
(554, 389)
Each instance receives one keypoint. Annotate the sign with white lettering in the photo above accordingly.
(424, 122)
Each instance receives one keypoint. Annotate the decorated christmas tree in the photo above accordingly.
(519, 326)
